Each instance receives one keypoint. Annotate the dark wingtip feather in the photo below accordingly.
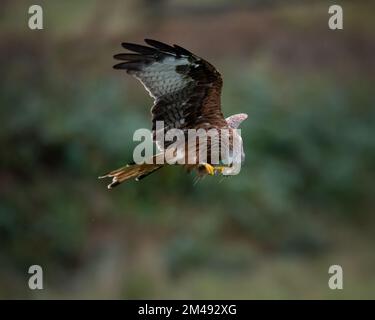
(139, 48)
(135, 66)
(182, 51)
(127, 56)
(119, 66)
(161, 46)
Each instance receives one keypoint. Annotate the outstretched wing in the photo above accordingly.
(186, 89)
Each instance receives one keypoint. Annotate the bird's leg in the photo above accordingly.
(208, 168)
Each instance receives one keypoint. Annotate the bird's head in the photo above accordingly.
(235, 120)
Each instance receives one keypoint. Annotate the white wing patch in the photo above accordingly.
(160, 78)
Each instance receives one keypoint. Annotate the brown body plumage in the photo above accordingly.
(187, 95)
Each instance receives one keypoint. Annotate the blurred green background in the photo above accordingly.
(304, 199)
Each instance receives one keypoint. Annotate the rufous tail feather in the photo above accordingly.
(136, 171)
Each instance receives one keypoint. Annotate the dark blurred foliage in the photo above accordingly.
(302, 202)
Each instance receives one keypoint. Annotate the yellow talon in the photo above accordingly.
(210, 169)
(220, 169)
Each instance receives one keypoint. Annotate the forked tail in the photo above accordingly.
(136, 171)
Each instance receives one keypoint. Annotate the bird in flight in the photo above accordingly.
(187, 95)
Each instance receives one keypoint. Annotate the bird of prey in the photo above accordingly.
(187, 95)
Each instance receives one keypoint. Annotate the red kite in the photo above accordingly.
(186, 90)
